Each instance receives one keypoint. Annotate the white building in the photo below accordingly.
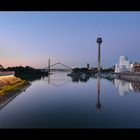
(123, 65)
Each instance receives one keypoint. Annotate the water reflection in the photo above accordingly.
(98, 104)
(80, 78)
(126, 86)
(123, 86)
(85, 79)
(57, 80)
(135, 86)
(31, 78)
(94, 104)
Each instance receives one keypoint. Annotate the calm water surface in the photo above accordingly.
(61, 102)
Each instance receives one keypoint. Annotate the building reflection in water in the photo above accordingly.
(98, 103)
(79, 78)
(125, 86)
(136, 86)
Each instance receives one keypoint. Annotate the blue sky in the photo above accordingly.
(31, 38)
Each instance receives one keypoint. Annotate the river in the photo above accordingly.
(58, 101)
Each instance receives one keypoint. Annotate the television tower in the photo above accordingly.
(99, 41)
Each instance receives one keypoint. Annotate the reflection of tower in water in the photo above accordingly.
(49, 79)
(98, 103)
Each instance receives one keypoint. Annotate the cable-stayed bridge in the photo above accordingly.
(54, 67)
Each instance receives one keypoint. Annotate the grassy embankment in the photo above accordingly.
(11, 83)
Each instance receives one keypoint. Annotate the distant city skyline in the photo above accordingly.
(31, 38)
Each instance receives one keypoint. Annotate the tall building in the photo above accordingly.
(135, 67)
(123, 65)
(99, 41)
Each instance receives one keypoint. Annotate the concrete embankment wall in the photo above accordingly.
(10, 87)
(130, 77)
(4, 73)
(8, 80)
(6, 98)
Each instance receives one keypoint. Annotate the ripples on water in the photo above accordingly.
(59, 101)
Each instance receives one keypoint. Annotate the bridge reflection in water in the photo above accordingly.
(123, 87)
(57, 82)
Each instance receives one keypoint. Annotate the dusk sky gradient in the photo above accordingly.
(31, 38)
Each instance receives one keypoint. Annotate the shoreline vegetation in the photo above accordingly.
(27, 70)
(27, 73)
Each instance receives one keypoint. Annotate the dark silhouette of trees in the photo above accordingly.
(25, 70)
(95, 70)
(76, 70)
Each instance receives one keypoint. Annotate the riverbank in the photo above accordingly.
(130, 76)
(95, 75)
(10, 83)
(10, 87)
(11, 94)
(5, 73)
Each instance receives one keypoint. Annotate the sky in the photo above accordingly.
(31, 38)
